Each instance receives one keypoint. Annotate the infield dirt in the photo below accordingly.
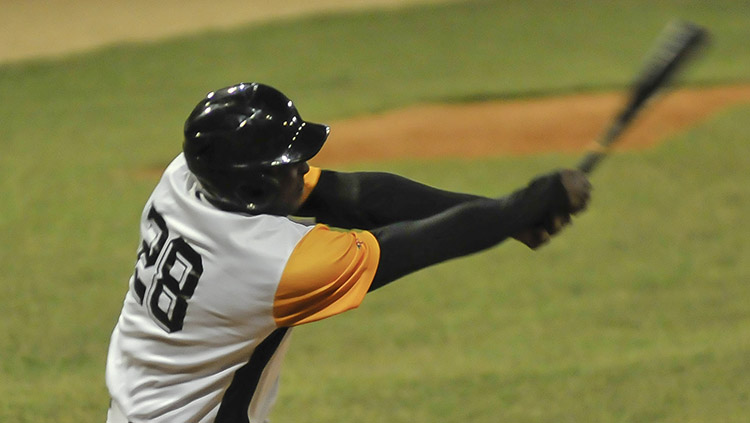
(567, 123)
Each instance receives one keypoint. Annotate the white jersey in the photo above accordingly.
(207, 316)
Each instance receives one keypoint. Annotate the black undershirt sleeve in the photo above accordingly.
(367, 200)
(418, 226)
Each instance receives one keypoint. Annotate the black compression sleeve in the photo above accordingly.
(366, 200)
(464, 229)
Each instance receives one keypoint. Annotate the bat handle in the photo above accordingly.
(589, 161)
(599, 149)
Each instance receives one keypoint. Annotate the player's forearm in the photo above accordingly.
(367, 200)
(464, 229)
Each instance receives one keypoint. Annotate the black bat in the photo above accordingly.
(678, 41)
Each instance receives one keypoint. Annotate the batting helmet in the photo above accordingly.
(236, 135)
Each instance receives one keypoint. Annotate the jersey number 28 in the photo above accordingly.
(177, 271)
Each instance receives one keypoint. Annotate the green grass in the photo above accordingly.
(638, 313)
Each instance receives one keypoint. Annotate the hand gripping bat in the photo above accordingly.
(678, 41)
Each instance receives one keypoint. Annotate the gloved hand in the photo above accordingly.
(578, 189)
(578, 194)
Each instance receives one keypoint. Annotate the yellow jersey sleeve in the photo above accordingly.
(311, 180)
(328, 272)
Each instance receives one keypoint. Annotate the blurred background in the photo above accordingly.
(637, 313)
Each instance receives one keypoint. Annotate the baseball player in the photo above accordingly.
(223, 273)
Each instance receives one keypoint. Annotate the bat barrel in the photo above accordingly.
(677, 42)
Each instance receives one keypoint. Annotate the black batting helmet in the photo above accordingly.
(237, 134)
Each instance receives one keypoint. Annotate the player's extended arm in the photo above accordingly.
(477, 225)
(367, 200)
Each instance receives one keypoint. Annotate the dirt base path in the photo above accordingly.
(567, 123)
(51, 28)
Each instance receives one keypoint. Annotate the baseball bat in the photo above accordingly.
(678, 41)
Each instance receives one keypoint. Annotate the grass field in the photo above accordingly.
(639, 313)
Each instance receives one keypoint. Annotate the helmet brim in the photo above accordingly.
(305, 145)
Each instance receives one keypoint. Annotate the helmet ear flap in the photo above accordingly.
(259, 193)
